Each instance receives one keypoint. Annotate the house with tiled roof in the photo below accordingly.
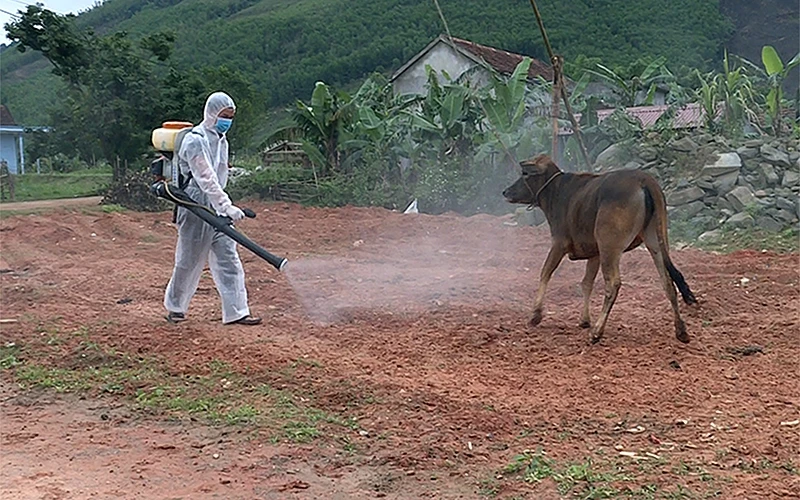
(458, 58)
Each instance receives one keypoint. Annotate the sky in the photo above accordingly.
(60, 6)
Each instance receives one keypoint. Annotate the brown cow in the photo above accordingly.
(597, 217)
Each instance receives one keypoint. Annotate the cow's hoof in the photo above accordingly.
(595, 337)
(536, 319)
(680, 333)
(585, 324)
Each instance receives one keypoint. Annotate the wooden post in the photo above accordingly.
(554, 110)
(6, 181)
(557, 76)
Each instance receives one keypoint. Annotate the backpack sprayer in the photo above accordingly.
(170, 185)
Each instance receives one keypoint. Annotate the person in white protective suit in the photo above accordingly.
(203, 157)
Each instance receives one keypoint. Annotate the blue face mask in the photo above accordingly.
(223, 124)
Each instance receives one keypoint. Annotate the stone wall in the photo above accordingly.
(712, 183)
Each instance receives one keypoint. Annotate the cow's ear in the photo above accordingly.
(544, 163)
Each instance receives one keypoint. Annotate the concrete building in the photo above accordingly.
(12, 147)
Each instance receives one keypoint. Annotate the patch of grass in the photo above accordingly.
(489, 488)
(589, 479)
(765, 464)
(732, 240)
(299, 421)
(243, 414)
(31, 187)
(149, 238)
(9, 356)
(573, 478)
(60, 380)
(679, 493)
(684, 229)
(305, 362)
(113, 208)
(78, 363)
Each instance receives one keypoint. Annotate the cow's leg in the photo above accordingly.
(609, 261)
(554, 257)
(592, 266)
(653, 245)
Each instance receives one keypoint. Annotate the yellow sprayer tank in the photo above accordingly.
(163, 138)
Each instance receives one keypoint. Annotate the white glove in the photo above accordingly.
(234, 213)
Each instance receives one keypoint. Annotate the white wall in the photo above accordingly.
(440, 57)
(9, 151)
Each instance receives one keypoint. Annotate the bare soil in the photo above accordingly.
(18, 206)
(415, 327)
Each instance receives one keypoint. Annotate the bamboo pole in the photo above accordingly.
(557, 76)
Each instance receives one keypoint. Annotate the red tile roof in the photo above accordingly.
(505, 62)
(6, 118)
(689, 116)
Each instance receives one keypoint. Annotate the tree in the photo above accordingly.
(119, 89)
(113, 97)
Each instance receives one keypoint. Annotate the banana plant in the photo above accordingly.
(320, 125)
(733, 92)
(776, 73)
(505, 103)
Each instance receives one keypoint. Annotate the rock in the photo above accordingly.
(740, 197)
(765, 202)
(742, 219)
(726, 163)
(705, 222)
(747, 153)
(786, 204)
(724, 183)
(705, 184)
(710, 236)
(612, 155)
(768, 174)
(794, 156)
(753, 143)
(682, 183)
(527, 217)
(790, 178)
(775, 156)
(689, 210)
(750, 165)
(685, 196)
(648, 154)
(769, 224)
(741, 181)
(724, 204)
(703, 138)
(632, 165)
(722, 141)
(784, 215)
(685, 145)
(649, 165)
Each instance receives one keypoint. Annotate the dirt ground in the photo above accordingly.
(16, 206)
(414, 327)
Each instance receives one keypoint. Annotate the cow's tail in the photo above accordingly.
(656, 211)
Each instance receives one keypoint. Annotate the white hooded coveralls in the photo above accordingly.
(204, 153)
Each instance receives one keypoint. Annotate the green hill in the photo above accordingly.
(284, 46)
